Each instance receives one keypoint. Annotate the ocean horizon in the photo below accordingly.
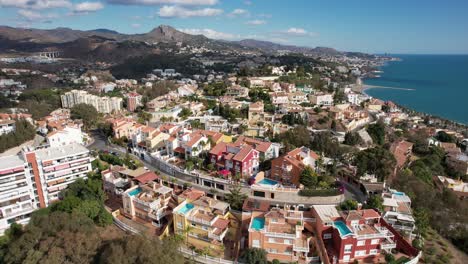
(436, 84)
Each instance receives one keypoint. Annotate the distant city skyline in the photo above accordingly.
(415, 27)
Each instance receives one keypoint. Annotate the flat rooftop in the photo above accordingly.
(8, 162)
(60, 152)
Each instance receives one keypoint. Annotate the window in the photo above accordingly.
(256, 243)
(348, 248)
(361, 243)
(360, 253)
(375, 241)
(287, 242)
(272, 250)
(327, 236)
(346, 258)
(373, 252)
(274, 220)
(271, 240)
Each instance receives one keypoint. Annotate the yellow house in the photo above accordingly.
(205, 223)
(156, 141)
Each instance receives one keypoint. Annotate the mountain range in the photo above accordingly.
(14, 38)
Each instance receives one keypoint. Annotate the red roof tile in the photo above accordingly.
(147, 177)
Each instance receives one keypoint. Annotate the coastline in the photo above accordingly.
(362, 88)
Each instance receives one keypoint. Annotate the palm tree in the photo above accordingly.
(235, 198)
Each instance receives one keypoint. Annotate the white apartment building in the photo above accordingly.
(34, 178)
(16, 194)
(321, 99)
(102, 104)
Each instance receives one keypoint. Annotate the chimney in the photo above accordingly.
(359, 206)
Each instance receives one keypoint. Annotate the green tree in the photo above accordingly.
(349, 205)
(87, 113)
(352, 139)
(139, 249)
(377, 132)
(235, 198)
(378, 161)
(375, 202)
(309, 178)
(255, 256)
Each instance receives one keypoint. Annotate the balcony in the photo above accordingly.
(219, 237)
(279, 235)
(201, 221)
(388, 244)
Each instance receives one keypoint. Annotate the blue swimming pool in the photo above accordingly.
(184, 209)
(399, 193)
(268, 182)
(258, 223)
(134, 192)
(342, 228)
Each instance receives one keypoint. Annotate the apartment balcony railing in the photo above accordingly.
(280, 235)
(300, 248)
(388, 244)
(219, 237)
(201, 221)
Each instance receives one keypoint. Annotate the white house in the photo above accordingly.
(64, 137)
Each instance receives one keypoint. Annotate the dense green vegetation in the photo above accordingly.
(87, 113)
(127, 160)
(352, 139)
(235, 198)
(5, 102)
(378, 161)
(254, 256)
(138, 67)
(40, 102)
(24, 132)
(377, 132)
(293, 119)
(215, 89)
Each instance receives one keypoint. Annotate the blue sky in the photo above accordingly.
(411, 26)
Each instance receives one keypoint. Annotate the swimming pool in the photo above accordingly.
(258, 223)
(399, 193)
(135, 192)
(184, 209)
(342, 228)
(268, 182)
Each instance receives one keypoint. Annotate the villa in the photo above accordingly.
(204, 222)
(286, 235)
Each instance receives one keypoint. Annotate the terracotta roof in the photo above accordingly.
(192, 194)
(147, 177)
(255, 205)
(221, 223)
(194, 139)
(261, 146)
(218, 149)
(243, 153)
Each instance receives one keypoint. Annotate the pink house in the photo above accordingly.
(243, 159)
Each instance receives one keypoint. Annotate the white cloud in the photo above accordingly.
(293, 31)
(30, 15)
(210, 33)
(181, 12)
(88, 7)
(36, 4)
(164, 2)
(239, 12)
(256, 22)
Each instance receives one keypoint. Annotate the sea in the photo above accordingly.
(433, 84)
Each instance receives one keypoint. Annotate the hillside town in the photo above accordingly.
(293, 161)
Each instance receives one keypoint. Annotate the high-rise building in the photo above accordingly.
(133, 101)
(102, 104)
(34, 178)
